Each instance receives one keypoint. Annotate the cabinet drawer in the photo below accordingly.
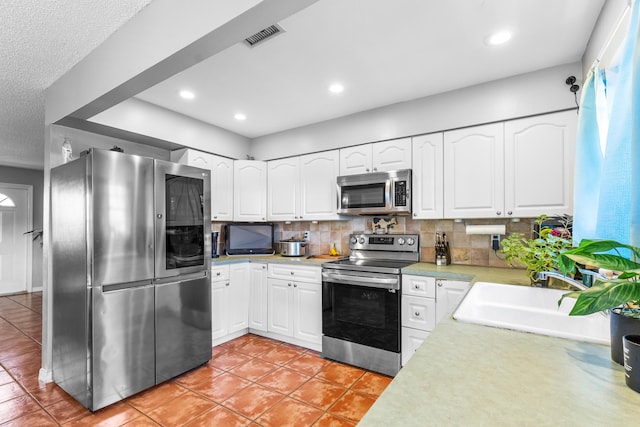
(420, 286)
(411, 340)
(219, 272)
(295, 272)
(418, 313)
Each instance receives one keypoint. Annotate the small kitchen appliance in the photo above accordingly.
(293, 247)
(361, 301)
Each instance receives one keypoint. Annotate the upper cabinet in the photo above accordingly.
(221, 179)
(303, 187)
(250, 188)
(474, 172)
(539, 157)
(519, 168)
(376, 157)
(427, 176)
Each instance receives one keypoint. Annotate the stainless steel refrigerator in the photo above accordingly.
(131, 289)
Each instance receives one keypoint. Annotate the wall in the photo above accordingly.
(36, 179)
(465, 249)
(519, 96)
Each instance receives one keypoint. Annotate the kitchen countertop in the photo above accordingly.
(473, 375)
(226, 259)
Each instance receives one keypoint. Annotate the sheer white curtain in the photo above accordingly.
(607, 177)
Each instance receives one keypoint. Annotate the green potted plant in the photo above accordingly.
(619, 293)
(540, 253)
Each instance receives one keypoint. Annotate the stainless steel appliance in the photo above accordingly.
(293, 247)
(361, 301)
(378, 193)
(131, 291)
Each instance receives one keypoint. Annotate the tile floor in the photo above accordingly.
(250, 381)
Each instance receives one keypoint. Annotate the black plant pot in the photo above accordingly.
(620, 326)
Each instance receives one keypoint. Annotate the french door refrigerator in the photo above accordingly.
(130, 285)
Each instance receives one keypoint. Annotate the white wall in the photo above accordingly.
(524, 95)
(141, 117)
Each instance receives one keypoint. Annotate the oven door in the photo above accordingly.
(363, 308)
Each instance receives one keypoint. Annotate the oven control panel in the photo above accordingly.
(385, 242)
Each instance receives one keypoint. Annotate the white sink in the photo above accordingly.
(530, 309)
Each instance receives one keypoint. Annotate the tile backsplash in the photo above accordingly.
(474, 249)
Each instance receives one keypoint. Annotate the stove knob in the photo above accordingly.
(361, 240)
(401, 240)
(411, 241)
(354, 240)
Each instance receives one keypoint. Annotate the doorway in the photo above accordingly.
(16, 218)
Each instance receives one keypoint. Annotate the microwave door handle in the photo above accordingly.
(387, 194)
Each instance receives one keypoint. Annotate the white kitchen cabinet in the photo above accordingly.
(474, 172)
(376, 157)
(425, 302)
(229, 301)
(258, 297)
(250, 190)
(303, 187)
(539, 158)
(449, 293)
(318, 189)
(428, 186)
(295, 304)
(283, 193)
(221, 169)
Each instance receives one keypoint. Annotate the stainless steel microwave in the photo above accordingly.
(378, 193)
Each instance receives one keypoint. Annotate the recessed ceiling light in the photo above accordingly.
(240, 117)
(336, 88)
(499, 38)
(187, 94)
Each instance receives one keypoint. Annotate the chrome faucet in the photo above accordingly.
(592, 276)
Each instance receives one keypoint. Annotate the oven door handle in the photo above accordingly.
(371, 282)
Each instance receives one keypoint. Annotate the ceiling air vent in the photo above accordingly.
(262, 35)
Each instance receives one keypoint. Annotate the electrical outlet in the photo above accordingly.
(495, 242)
(306, 235)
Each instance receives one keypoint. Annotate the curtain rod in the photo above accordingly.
(612, 35)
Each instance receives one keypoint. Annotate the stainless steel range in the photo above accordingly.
(361, 301)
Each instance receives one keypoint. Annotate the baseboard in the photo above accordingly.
(290, 340)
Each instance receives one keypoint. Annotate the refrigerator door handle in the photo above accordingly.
(122, 286)
(181, 278)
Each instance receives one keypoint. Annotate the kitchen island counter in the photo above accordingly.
(469, 273)
(472, 375)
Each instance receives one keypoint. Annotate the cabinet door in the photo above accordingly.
(307, 311)
(428, 185)
(250, 190)
(474, 175)
(391, 155)
(219, 308)
(258, 297)
(449, 293)
(411, 340)
(283, 194)
(418, 313)
(539, 156)
(318, 189)
(238, 297)
(280, 306)
(355, 160)
(221, 189)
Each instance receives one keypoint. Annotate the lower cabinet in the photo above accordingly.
(258, 296)
(229, 301)
(425, 302)
(294, 305)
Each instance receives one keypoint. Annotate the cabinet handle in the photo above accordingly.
(292, 273)
(498, 213)
(366, 170)
(218, 273)
(509, 213)
(300, 216)
(416, 287)
(215, 217)
(289, 284)
(226, 284)
(295, 286)
(417, 314)
(264, 267)
(439, 284)
(375, 169)
(415, 214)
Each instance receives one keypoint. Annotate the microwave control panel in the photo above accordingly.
(400, 193)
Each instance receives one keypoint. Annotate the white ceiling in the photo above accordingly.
(383, 51)
(40, 40)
